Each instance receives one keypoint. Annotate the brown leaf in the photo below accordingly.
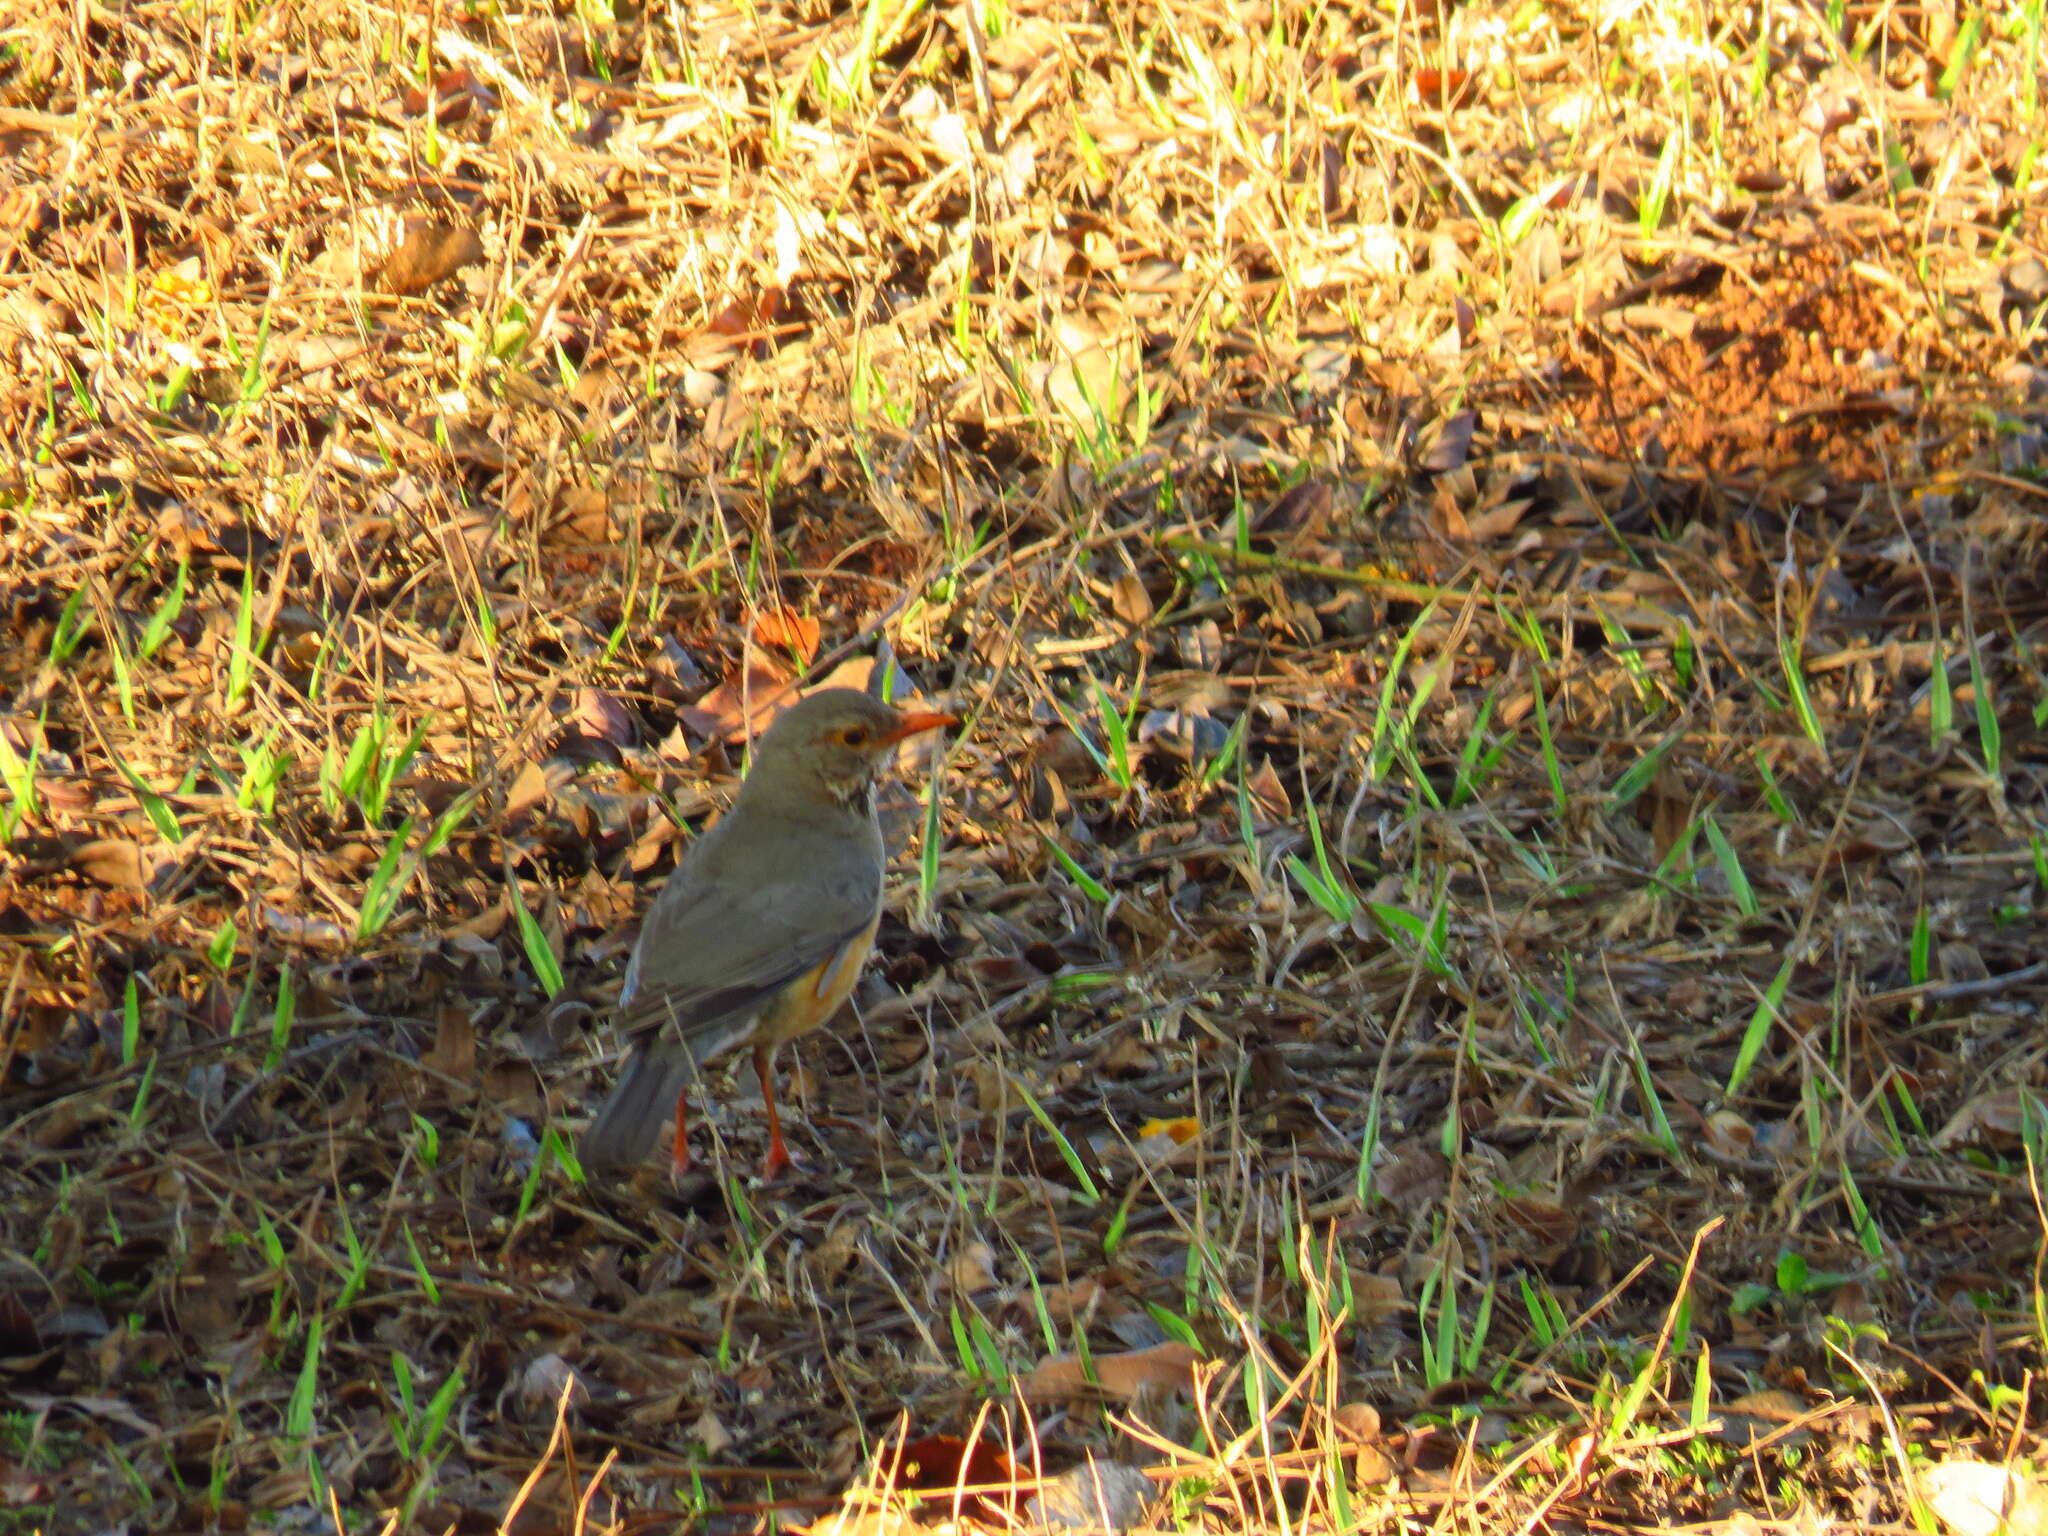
(512, 1087)
(1119, 1378)
(854, 672)
(1959, 960)
(1126, 1052)
(1268, 794)
(545, 1379)
(742, 706)
(785, 629)
(298, 928)
(1444, 87)
(1728, 1134)
(1299, 512)
(1452, 444)
(598, 714)
(1374, 1297)
(587, 515)
(1413, 1174)
(529, 789)
(1357, 1427)
(118, 863)
(430, 251)
(745, 325)
(455, 92)
(711, 1434)
(1129, 600)
(1981, 1498)
(453, 1053)
(1998, 1118)
(940, 1464)
(972, 1269)
(1668, 809)
(1498, 521)
(1076, 1299)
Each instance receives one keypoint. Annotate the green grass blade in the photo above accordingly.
(1759, 1027)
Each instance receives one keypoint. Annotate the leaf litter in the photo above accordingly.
(1480, 959)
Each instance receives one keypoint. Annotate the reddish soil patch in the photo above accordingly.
(1791, 361)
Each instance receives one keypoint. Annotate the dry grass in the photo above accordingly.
(1479, 958)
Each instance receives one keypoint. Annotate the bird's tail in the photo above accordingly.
(628, 1125)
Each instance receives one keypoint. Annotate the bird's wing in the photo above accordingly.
(713, 953)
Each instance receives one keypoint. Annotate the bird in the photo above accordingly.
(760, 933)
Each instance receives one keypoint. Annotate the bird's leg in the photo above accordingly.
(778, 1154)
(679, 1154)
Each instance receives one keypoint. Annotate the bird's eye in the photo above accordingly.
(855, 736)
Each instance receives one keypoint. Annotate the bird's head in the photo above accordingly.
(837, 740)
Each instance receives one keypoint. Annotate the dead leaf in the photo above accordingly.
(1129, 600)
(1268, 795)
(1190, 736)
(1497, 522)
(601, 716)
(298, 928)
(1118, 1378)
(840, 1249)
(1077, 1299)
(854, 672)
(1412, 1175)
(117, 862)
(1374, 1297)
(745, 326)
(587, 515)
(785, 629)
(972, 1269)
(456, 91)
(430, 251)
(512, 1088)
(1998, 1118)
(1728, 1134)
(1451, 445)
(1976, 1498)
(453, 1052)
(1959, 960)
(712, 1435)
(742, 706)
(1201, 646)
(987, 1483)
(1299, 512)
(1126, 1052)
(529, 789)
(1357, 1429)
(113, 1410)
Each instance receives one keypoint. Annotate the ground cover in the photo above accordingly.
(1478, 962)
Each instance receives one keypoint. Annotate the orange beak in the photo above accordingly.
(915, 723)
